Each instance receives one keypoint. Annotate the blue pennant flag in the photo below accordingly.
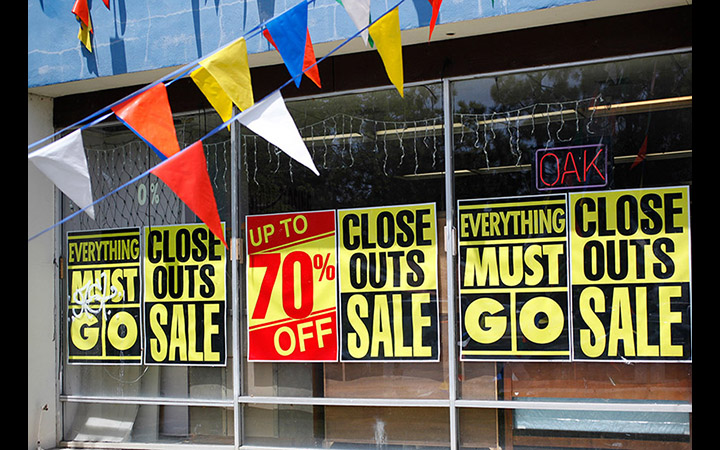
(289, 32)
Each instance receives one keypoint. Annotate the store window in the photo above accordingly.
(382, 160)
(114, 394)
(373, 150)
(639, 112)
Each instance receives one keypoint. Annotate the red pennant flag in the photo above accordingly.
(82, 12)
(266, 33)
(308, 60)
(148, 114)
(186, 174)
(435, 10)
(311, 72)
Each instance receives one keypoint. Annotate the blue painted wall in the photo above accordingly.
(135, 36)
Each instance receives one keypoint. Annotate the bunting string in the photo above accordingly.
(339, 137)
(272, 102)
(188, 68)
(309, 67)
(182, 72)
(168, 79)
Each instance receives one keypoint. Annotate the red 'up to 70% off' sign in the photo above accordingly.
(291, 287)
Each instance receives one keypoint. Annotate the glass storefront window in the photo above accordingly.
(376, 149)
(115, 157)
(636, 106)
(371, 149)
(367, 146)
(640, 110)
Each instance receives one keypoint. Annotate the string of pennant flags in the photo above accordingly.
(224, 79)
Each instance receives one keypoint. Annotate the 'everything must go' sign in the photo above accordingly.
(513, 278)
(104, 297)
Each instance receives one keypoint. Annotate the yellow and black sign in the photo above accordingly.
(513, 279)
(185, 307)
(631, 275)
(104, 293)
(387, 264)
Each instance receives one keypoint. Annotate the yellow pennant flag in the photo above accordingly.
(385, 33)
(82, 12)
(85, 35)
(224, 79)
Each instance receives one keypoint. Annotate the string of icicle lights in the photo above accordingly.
(341, 133)
(537, 114)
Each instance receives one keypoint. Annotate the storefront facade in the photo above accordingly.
(498, 258)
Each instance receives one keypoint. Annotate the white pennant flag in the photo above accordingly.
(271, 120)
(359, 12)
(65, 164)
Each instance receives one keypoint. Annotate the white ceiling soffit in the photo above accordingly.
(581, 11)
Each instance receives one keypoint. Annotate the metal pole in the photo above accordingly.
(234, 251)
(450, 257)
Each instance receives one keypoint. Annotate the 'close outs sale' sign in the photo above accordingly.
(591, 276)
(388, 284)
(379, 264)
(630, 253)
(184, 307)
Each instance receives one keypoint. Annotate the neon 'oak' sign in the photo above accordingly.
(572, 167)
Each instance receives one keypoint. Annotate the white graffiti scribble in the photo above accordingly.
(91, 293)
